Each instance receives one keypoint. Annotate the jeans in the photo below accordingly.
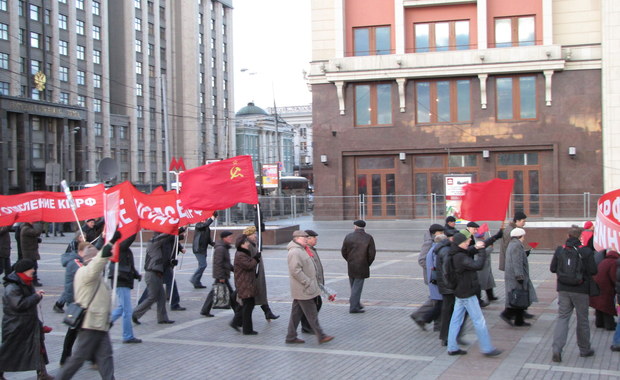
(202, 265)
(472, 306)
(124, 309)
(616, 341)
(357, 284)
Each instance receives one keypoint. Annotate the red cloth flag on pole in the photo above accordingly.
(487, 200)
(219, 185)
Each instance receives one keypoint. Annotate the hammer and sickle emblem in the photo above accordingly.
(235, 172)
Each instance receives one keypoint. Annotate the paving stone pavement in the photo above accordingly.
(381, 343)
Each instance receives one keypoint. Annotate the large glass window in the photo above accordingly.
(62, 21)
(373, 104)
(4, 61)
(5, 88)
(79, 27)
(515, 31)
(4, 31)
(96, 8)
(35, 40)
(96, 32)
(516, 97)
(443, 101)
(81, 77)
(81, 51)
(34, 12)
(63, 73)
(97, 56)
(441, 36)
(373, 40)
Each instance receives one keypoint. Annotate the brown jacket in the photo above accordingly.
(29, 240)
(358, 249)
(245, 273)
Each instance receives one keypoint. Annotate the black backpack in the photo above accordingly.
(449, 272)
(569, 265)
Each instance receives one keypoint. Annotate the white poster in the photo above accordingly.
(454, 184)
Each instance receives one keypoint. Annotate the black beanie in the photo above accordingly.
(23, 265)
(520, 215)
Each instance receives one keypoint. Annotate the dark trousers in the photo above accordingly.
(5, 265)
(67, 345)
(447, 307)
(305, 326)
(604, 320)
(167, 279)
(517, 314)
(206, 307)
(244, 317)
(434, 313)
(91, 343)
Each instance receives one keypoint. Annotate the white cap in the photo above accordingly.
(517, 232)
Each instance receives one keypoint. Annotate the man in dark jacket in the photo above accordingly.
(127, 273)
(358, 249)
(92, 229)
(466, 290)
(221, 269)
(30, 237)
(202, 240)
(5, 250)
(450, 226)
(157, 260)
(573, 297)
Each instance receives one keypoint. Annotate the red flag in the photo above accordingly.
(484, 228)
(219, 185)
(486, 200)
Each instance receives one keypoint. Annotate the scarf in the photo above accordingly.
(309, 251)
(25, 279)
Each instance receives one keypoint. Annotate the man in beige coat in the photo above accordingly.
(304, 289)
(93, 339)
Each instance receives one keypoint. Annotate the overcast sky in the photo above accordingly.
(271, 39)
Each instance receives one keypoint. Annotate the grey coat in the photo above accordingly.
(485, 275)
(517, 267)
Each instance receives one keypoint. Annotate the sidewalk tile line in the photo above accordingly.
(587, 371)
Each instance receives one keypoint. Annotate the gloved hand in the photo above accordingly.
(115, 237)
(138, 277)
(258, 256)
(520, 281)
(181, 230)
(39, 240)
(214, 214)
(174, 262)
(527, 253)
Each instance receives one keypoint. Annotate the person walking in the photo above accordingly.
(615, 345)
(245, 282)
(603, 304)
(127, 273)
(93, 340)
(517, 221)
(30, 237)
(202, 240)
(358, 249)
(428, 244)
(574, 265)
(221, 271)
(304, 289)
(23, 341)
(450, 226)
(5, 250)
(260, 298)
(310, 247)
(517, 276)
(465, 269)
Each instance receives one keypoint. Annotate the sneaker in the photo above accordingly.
(133, 340)
(615, 348)
(495, 352)
(557, 357)
(57, 308)
(587, 354)
(457, 352)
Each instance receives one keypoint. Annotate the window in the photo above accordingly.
(96, 8)
(151, 49)
(79, 4)
(517, 159)
(81, 101)
(153, 155)
(4, 61)
(63, 47)
(140, 133)
(34, 12)
(3, 6)
(139, 89)
(373, 104)
(123, 134)
(443, 101)
(96, 32)
(515, 31)
(151, 70)
(138, 24)
(516, 98)
(79, 27)
(62, 21)
(48, 43)
(5, 88)
(47, 16)
(81, 77)
(96, 80)
(97, 105)
(462, 160)
(441, 36)
(98, 129)
(37, 150)
(374, 40)
(62, 1)
(136, 3)
(124, 155)
(64, 98)
(63, 74)
(97, 56)
(80, 52)
(151, 29)
(4, 31)
(111, 131)
(21, 35)
(138, 67)
(141, 156)
(34, 39)
(138, 46)
(35, 66)
(140, 112)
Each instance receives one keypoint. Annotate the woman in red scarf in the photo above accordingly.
(23, 347)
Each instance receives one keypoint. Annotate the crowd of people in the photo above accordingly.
(456, 268)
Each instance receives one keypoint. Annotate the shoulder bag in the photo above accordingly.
(74, 315)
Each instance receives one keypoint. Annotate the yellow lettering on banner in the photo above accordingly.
(235, 171)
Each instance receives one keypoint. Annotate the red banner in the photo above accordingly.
(607, 227)
(487, 200)
(51, 206)
(219, 185)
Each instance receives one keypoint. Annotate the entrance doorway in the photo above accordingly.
(376, 180)
(525, 170)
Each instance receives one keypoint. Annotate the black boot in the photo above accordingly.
(490, 295)
(269, 315)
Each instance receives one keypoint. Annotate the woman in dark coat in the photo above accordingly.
(245, 282)
(604, 304)
(23, 347)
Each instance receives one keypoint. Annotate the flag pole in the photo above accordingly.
(176, 244)
(67, 191)
(141, 259)
(259, 231)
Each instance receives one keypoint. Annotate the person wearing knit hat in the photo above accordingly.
(23, 347)
(517, 221)
(450, 226)
(587, 234)
(358, 249)
(260, 298)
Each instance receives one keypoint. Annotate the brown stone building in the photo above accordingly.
(405, 92)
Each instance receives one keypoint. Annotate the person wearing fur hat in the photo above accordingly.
(23, 342)
(517, 276)
(358, 249)
(261, 283)
(421, 314)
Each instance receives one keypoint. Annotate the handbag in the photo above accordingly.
(74, 315)
(519, 298)
(221, 296)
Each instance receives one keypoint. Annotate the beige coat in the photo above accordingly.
(302, 273)
(85, 282)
